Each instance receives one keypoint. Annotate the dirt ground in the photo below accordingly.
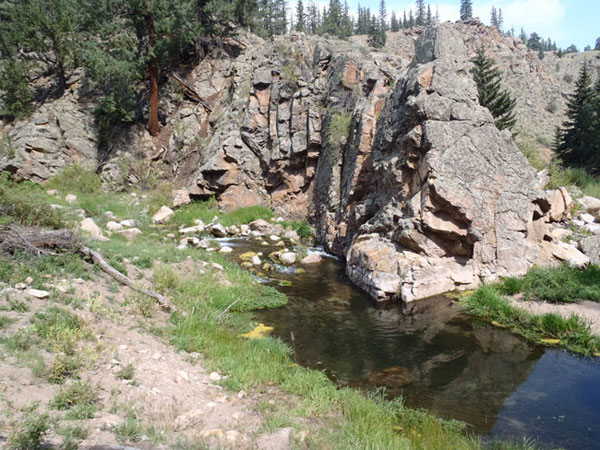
(171, 395)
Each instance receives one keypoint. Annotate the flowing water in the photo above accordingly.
(436, 358)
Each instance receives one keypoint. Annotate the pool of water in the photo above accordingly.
(437, 358)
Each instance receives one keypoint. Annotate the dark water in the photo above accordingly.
(436, 358)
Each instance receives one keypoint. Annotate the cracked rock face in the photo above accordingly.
(455, 200)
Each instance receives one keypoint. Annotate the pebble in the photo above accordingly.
(214, 376)
(128, 223)
(71, 198)
(241, 394)
(225, 249)
(28, 280)
(156, 356)
(217, 266)
(38, 293)
(20, 286)
(274, 238)
(211, 404)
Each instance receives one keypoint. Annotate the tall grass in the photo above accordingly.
(564, 284)
(572, 333)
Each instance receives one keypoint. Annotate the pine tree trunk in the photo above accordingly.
(153, 127)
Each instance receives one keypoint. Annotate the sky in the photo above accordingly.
(564, 21)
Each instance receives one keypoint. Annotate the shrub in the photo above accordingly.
(78, 398)
(127, 372)
(27, 434)
(16, 93)
(75, 179)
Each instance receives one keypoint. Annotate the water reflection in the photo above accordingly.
(438, 359)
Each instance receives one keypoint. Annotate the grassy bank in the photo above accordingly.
(548, 329)
(214, 309)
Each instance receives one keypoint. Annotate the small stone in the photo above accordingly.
(90, 227)
(288, 258)
(232, 436)
(225, 249)
(211, 405)
(195, 229)
(156, 356)
(180, 197)
(79, 280)
(313, 258)
(163, 215)
(109, 215)
(217, 266)
(114, 226)
(214, 376)
(128, 223)
(70, 198)
(52, 192)
(20, 286)
(241, 394)
(203, 243)
(171, 236)
(38, 293)
(587, 218)
(274, 238)
(256, 260)
(182, 375)
(130, 234)
(28, 280)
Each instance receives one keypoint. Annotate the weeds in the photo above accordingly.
(60, 330)
(75, 179)
(129, 431)
(126, 373)
(572, 333)
(564, 284)
(78, 399)
(29, 431)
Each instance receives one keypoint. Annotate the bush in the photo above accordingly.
(79, 399)
(75, 179)
(27, 434)
(17, 96)
(23, 203)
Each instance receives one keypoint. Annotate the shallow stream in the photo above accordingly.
(437, 358)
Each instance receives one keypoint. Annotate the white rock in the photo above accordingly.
(288, 258)
(109, 215)
(128, 223)
(214, 376)
(569, 253)
(591, 205)
(198, 222)
(38, 293)
(313, 258)
(20, 286)
(180, 197)
(28, 280)
(593, 228)
(232, 436)
(90, 227)
(195, 229)
(274, 238)
(130, 234)
(578, 223)
(241, 394)
(114, 226)
(171, 236)
(52, 192)
(216, 266)
(182, 246)
(225, 249)
(292, 235)
(244, 229)
(71, 198)
(218, 230)
(203, 243)
(587, 218)
(163, 215)
(255, 260)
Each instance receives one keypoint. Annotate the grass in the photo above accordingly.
(564, 284)
(559, 176)
(126, 373)
(206, 211)
(60, 330)
(28, 433)
(129, 431)
(572, 333)
(78, 399)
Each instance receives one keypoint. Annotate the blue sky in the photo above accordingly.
(565, 21)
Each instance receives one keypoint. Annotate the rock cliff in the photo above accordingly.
(387, 153)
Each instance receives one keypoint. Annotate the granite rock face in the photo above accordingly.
(453, 201)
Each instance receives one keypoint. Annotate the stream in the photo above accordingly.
(435, 357)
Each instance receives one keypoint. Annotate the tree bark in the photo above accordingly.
(153, 127)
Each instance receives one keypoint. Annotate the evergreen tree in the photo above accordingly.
(312, 18)
(394, 26)
(300, 16)
(382, 15)
(597, 47)
(494, 17)
(411, 18)
(404, 20)
(500, 20)
(421, 15)
(377, 36)
(523, 36)
(576, 137)
(491, 94)
(17, 95)
(429, 17)
(466, 9)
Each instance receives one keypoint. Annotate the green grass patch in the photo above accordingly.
(564, 284)
(573, 333)
(129, 431)
(560, 176)
(5, 322)
(60, 330)
(19, 266)
(206, 211)
(75, 179)
(79, 399)
(29, 431)
(26, 204)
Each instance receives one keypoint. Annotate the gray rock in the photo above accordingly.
(591, 247)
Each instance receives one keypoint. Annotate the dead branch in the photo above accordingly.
(123, 279)
(222, 314)
(191, 93)
(37, 242)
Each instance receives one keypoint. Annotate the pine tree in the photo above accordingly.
(576, 140)
(421, 15)
(491, 94)
(382, 15)
(494, 17)
(429, 17)
(411, 18)
(523, 36)
(394, 25)
(300, 16)
(377, 36)
(597, 47)
(466, 9)
(500, 20)
(404, 20)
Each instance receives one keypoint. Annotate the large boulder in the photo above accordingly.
(454, 201)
